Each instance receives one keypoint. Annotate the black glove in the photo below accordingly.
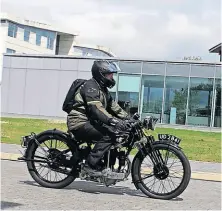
(120, 124)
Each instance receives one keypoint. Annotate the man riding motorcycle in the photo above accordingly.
(95, 115)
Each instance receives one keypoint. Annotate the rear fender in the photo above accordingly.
(53, 134)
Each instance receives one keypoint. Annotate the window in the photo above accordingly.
(26, 34)
(12, 30)
(38, 39)
(9, 50)
(154, 68)
(83, 51)
(200, 101)
(217, 117)
(128, 90)
(175, 100)
(152, 96)
(50, 43)
(130, 67)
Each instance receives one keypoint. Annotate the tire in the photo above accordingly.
(138, 159)
(32, 169)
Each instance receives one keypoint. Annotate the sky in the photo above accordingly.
(160, 29)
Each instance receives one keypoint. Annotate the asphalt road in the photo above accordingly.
(19, 191)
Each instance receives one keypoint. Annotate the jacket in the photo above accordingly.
(93, 102)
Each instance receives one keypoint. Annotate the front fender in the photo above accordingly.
(168, 143)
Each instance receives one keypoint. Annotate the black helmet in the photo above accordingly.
(102, 67)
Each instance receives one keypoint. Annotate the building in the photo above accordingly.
(176, 92)
(216, 49)
(31, 37)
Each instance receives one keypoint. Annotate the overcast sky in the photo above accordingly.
(160, 29)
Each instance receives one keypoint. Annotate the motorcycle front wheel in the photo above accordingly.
(162, 183)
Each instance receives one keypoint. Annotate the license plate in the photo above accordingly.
(168, 137)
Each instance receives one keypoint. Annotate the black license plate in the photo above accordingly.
(168, 137)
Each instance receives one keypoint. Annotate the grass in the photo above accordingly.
(200, 146)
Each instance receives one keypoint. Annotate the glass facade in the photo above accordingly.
(174, 93)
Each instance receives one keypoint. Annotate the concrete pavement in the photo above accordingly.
(20, 192)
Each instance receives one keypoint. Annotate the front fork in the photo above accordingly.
(155, 155)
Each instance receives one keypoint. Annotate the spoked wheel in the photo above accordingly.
(54, 168)
(162, 182)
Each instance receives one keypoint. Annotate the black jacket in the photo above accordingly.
(93, 103)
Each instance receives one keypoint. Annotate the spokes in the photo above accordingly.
(53, 154)
(165, 179)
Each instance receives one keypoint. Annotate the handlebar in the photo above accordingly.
(148, 122)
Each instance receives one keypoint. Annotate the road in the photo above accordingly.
(19, 191)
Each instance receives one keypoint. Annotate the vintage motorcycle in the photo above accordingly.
(159, 169)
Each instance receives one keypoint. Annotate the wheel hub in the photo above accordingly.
(55, 162)
(161, 173)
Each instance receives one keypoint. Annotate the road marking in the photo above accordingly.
(210, 176)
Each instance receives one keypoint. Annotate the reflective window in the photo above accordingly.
(200, 101)
(217, 117)
(50, 40)
(26, 34)
(175, 100)
(218, 72)
(152, 96)
(203, 71)
(83, 51)
(178, 70)
(128, 90)
(130, 67)
(12, 30)
(154, 68)
(9, 50)
(38, 39)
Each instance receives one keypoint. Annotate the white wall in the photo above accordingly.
(66, 44)
(21, 46)
(38, 86)
(3, 36)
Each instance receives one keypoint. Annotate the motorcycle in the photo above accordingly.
(63, 158)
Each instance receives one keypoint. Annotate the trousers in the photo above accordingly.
(99, 134)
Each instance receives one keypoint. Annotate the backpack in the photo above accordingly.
(70, 96)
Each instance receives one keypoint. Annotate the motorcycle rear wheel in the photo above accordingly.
(33, 170)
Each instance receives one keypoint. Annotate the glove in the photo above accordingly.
(119, 124)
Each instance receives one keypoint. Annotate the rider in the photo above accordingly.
(95, 115)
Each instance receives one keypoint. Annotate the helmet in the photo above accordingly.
(100, 69)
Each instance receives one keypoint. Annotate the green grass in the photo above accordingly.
(201, 146)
